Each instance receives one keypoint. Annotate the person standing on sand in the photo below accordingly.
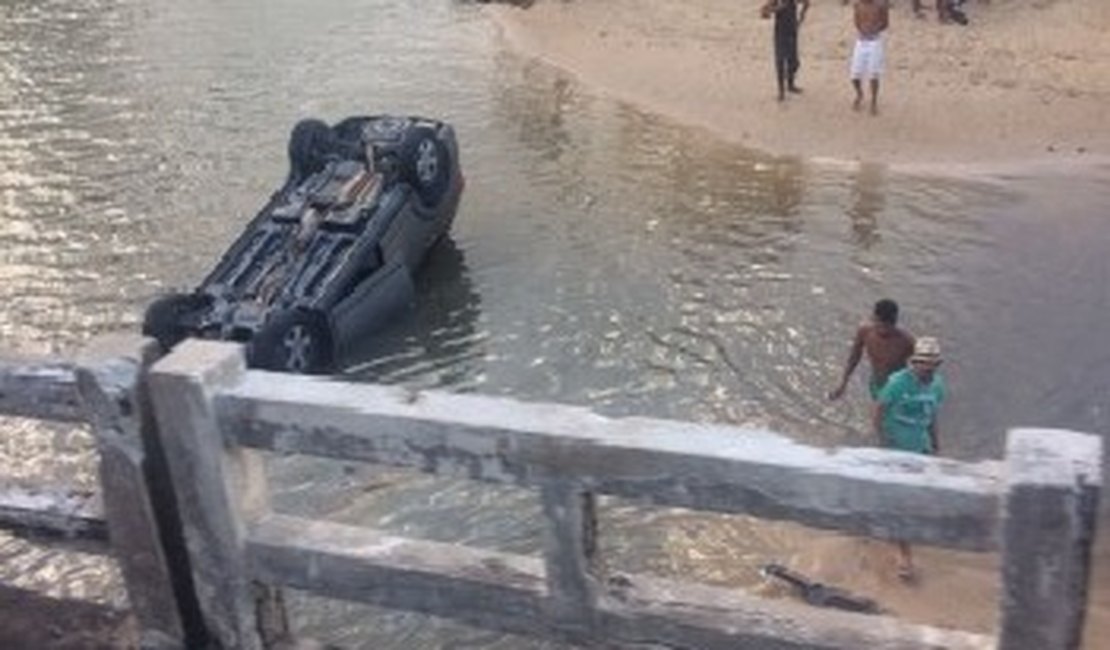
(789, 15)
(872, 17)
(905, 416)
(888, 348)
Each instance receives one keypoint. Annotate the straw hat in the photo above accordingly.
(926, 350)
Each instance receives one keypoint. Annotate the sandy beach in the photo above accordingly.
(1026, 80)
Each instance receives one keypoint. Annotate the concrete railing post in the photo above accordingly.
(108, 382)
(220, 488)
(1048, 525)
(570, 556)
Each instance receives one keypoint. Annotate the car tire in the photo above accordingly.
(426, 165)
(310, 146)
(163, 318)
(297, 341)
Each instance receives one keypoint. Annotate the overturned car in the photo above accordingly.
(330, 258)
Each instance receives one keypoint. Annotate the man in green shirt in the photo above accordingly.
(906, 414)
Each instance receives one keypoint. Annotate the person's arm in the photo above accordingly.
(886, 399)
(877, 423)
(853, 360)
(934, 439)
(884, 16)
(803, 8)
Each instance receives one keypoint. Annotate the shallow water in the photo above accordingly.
(602, 256)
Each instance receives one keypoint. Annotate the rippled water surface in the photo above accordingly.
(602, 256)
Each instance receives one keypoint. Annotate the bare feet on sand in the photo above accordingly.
(906, 571)
(907, 574)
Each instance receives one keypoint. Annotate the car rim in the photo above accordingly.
(427, 163)
(298, 347)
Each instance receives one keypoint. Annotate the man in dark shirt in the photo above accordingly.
(789, 15)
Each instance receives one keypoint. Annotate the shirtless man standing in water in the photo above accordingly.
(888, 348)
(872, 18)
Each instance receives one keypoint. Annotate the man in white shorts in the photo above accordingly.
(872, 18)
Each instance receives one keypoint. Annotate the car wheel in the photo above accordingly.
(426, 165)
(310, 144)
(164, 318)
(297, 341)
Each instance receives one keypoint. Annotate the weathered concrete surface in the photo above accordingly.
(872, 492)
(45, 390)
(32, 621)
(107, 376)
(219, 489)
(52, 512)
(570, 541)
(666, 614)
(570, 452)
(1051, 508)
(482, 588)
(506, 593)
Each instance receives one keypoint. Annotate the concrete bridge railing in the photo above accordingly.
(213, 416)
(133, 518)
(1038, 508)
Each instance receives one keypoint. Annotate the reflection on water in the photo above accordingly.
(438, 344)
(868, 201)
(602, 256)
(63, 151)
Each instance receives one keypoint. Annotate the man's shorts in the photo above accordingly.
(867, 59)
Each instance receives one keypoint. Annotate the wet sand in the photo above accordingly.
(1026, 80)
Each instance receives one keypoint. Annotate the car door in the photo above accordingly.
(376, 300)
